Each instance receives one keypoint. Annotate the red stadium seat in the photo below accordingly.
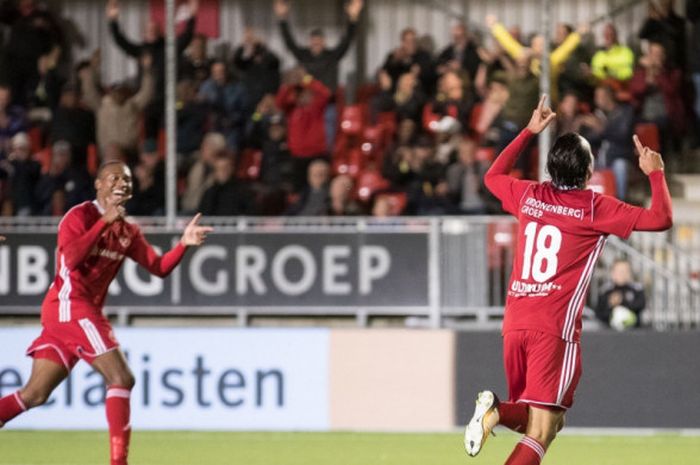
(485, 154)
(648, 134)
(249, 164)
(352, 121)
(93, 161)
(603, 182)
(369, 183)
(36, 139)
(43, 156)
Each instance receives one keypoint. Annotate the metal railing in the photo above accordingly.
(467, 269)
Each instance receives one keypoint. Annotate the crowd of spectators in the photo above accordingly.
(254, 139)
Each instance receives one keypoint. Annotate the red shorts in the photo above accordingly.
(541, 369)
(66, 343)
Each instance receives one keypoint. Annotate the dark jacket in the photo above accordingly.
(228, 199)
(632, 297)
(324, 66)
(259, 73)
(469, 58)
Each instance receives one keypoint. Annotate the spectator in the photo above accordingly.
(406, 101)
(523, 94)
(33, 33)
(148, 198)
(381, 208)
(12, 120)
(64, 185)
(258, 67)
(22, 174)
(568, 114)
(200, 174)
(615, 61)
(575, 73)
(118, 113)
(465, 181)
(303, 100)
(45, 90)
(656, 88)
(426, 185)
(407, 57)
(314, 199)
(196, 64)
(341, 201)
(461, 54)
(192, 118)
(321, 62)
(227, 196)
(665, 27)
(226, 101)
(557, 58)
(154, 45)
(269, 134)
(451, 108)
(621, 295)
(74, 124)
(611, 129)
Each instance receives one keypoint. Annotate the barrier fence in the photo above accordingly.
(433, 271)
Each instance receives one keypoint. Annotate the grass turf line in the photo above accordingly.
(213, 448)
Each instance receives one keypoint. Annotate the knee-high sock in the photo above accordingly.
(527, 452)
(118, 412)
(513, 415)
(10, 407)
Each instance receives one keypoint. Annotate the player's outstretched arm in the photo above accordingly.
(142, 252)
(659, 216)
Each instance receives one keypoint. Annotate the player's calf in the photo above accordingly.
(10, 407)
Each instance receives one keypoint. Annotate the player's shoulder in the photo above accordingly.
(79, 212)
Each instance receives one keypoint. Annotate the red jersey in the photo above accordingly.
(90, 253)
(560, 236)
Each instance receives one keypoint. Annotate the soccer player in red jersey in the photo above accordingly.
(93, 240)
(562, 230)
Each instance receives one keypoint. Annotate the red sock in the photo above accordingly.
(118, 412)
(526, 452)
(513, 415)
(10, 407)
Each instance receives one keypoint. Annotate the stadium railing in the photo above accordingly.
(445, 271)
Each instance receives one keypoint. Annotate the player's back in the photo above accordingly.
(84, 269)
(561, 233)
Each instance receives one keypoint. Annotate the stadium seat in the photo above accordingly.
(648, 134)
(603, 182)
(369, 183)
(93, 160)
(36, 138)
(485, 154)
(43, 156)
(249, 164)
(352, 121)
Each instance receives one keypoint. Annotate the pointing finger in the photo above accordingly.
(638, 145)
(540, 106)
(196, 218)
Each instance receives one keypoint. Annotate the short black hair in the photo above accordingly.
(569, 161)
(107, 163)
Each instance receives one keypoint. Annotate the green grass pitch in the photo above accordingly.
(189, 448)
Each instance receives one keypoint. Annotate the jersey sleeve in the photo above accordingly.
(160, 265)
(613, 216)
(75, 239)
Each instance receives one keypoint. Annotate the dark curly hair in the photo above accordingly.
(569, 162)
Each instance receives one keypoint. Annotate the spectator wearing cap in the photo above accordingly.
(118, 112)
(148, 197)
(22, 174)
(320, 61)
(64, 185)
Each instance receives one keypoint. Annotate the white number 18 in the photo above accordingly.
(548, 242)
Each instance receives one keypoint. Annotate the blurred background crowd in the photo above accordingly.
(256, 139)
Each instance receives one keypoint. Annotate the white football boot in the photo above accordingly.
(482, 423)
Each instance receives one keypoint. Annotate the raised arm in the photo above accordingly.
(145, 93)
(184, 39)
(162, 265)
(353, 10)
(504, 38)
(281, 8)
(129, 47)
(659, 215)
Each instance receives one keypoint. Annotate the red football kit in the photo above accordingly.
(561, 234)
(90, 253)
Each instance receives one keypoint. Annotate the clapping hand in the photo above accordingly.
(541, 117)
(195, 234)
